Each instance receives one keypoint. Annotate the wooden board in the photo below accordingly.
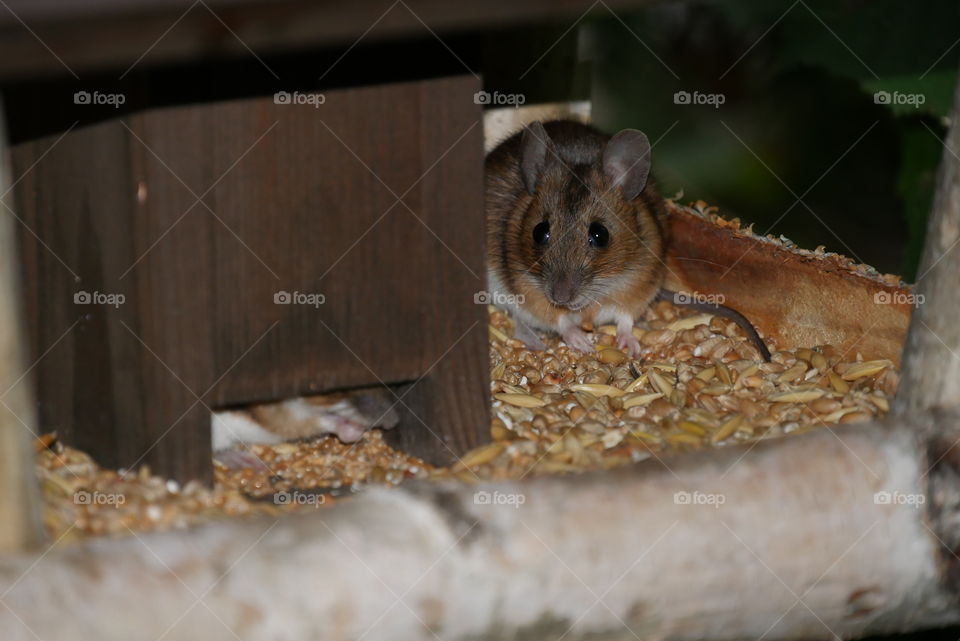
(295, 200)
(151, 32)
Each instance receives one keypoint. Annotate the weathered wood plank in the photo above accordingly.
(126, 31)
(294, 200)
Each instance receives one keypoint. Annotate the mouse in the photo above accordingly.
(345, 414)
(577, 232)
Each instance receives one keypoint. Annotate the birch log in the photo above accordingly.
(815, 536)
(931, 362)
(930, 377)
(19, 500)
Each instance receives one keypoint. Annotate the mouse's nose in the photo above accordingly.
(562, 291)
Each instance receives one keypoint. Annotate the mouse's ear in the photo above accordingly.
(535, 144)
(626, 162)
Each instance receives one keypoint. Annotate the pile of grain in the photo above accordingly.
(81, 498)
(698, 383)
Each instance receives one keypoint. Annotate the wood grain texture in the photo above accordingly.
(200, 216)
(796, 299)
(127, 30)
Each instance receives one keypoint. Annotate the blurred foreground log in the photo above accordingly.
(811, 536)
(19, 498)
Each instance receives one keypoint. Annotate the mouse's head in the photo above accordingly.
(588, 231)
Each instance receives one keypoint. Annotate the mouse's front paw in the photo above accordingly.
(629, 343)
(349, 430)
(577, 339)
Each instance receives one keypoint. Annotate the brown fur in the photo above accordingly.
(572, 192)
(314, 415)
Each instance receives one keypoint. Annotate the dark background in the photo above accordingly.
(798, 117)
(799, 98)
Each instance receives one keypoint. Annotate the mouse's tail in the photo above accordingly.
(722, 311)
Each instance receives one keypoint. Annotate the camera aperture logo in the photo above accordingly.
(299, 98)
(698, 98)
(899, 498)
(299, 298)
(99, 98)
(84, 497)
(514, 499)
(499, 99)
(98, 298)
(699, 498)
(498, 298)
(688, 298)
(299, 498)
(897, 98)
(899, 298)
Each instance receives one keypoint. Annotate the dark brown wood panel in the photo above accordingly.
(127, 30)
(294, 200)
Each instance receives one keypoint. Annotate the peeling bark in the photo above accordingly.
(930, 377)
(931, 360)
(19, 501)
(717, 545)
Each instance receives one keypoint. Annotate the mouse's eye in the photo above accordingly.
(598, 236)
(541, 233)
